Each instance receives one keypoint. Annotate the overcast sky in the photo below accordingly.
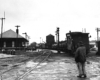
(41, 17)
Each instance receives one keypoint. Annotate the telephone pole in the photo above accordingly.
(56, 36)
(17, 31)
(2, 26)
(57, 32)
(25, 35)
(25, 45)
(97, 29)
(1, 31)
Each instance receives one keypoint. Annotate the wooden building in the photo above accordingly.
(10, 39)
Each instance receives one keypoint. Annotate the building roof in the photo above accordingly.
(50, 35)
(10, 34)
(76, 33)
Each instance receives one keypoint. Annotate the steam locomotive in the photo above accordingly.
(71, 42)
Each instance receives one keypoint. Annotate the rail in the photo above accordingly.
(30, 70)
(21, 62)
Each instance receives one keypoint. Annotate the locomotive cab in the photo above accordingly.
(74, 37)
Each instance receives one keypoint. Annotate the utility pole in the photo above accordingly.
(26, 38)
(25, 35)
(2, 30)
(17, 31)
(40, 43)
(85, 30)
(97, 29)
(2, 26)
(58, 38)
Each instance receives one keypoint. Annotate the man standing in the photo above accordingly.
(80, 58)
(69, 44)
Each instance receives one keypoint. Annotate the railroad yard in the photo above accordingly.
(45, 65)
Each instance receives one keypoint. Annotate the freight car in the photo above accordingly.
(71, 42)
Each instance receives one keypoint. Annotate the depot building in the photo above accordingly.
(11, 39)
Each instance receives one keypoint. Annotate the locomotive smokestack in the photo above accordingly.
(70, 31)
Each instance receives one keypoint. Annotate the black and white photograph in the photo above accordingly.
(49, 39)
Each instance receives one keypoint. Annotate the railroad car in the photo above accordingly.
(72, 40)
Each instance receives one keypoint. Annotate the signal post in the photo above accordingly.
(57, 33)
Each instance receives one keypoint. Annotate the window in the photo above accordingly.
(13, 44)
(4, 44)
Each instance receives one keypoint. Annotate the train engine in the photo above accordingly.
(73, 39)
(71, 43)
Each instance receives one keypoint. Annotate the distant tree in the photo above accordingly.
(33, 44)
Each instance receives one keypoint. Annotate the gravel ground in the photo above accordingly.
(57, 67)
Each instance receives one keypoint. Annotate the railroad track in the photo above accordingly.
(35, 67)
(21, 62)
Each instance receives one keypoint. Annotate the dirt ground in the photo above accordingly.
(56, 67)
